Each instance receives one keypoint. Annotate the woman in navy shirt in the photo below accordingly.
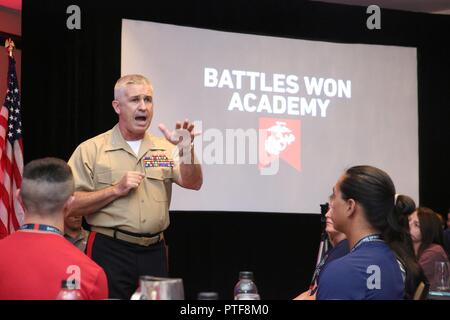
(363, 207)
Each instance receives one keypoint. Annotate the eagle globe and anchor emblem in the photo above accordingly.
(280, 137)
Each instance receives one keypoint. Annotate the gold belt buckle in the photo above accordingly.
(143, 241)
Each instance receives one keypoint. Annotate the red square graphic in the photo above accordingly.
(279, 138)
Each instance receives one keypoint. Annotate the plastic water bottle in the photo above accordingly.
(246, 289)
(69, 291)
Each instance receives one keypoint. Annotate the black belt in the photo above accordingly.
(142, 239)
(137, 235)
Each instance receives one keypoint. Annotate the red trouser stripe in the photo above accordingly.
(90, 243)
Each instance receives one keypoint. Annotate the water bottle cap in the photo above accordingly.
(68, 284)
(207, 296)
(246, 275)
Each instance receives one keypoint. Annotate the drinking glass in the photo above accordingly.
(158, 288)
(441, 281)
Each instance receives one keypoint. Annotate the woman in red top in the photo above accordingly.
(426, 233)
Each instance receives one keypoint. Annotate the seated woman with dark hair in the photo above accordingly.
(365, 209)
(399, 240)
(426, 232)
(447, 234)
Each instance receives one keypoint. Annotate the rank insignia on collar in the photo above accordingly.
(158, 161)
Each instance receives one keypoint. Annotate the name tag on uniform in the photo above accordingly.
(158, 161)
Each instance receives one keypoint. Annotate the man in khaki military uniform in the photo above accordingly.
(123, 180)
(74, 232)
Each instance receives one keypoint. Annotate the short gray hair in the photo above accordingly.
(126, 80)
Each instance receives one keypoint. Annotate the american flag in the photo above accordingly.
(11, 156)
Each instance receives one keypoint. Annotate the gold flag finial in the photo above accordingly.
(9, 44)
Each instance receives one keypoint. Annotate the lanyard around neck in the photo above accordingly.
(41, 227)
(369, 238)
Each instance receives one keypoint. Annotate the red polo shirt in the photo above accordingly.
(33, 264)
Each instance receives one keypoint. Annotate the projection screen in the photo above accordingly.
(280, 119)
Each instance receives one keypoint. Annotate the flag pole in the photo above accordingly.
(12, 151)
(9, 44)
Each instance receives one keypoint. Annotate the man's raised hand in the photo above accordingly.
(184, 132)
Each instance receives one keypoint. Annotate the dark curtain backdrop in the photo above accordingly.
(67, 88)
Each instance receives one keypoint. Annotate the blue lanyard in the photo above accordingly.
(40, 227)
(320, 266)
(313, 286)
(369, 238)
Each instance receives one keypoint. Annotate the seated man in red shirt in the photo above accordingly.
(35, 259)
